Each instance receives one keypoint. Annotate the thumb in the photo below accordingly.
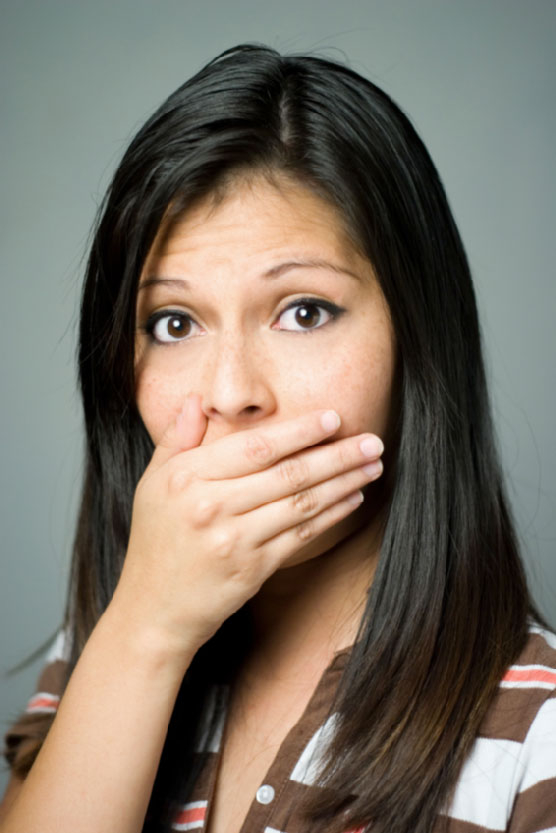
(184, 432)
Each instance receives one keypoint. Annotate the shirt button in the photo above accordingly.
(265, 794)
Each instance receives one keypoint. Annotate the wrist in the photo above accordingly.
(146, 643)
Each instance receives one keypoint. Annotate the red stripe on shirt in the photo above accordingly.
(42, 701)
(186, 816)
(529, 675)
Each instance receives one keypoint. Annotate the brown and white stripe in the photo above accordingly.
(508, 782)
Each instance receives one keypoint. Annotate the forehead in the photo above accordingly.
(252, 218)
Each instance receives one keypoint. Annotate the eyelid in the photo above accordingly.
(332, 309)
(167, 312)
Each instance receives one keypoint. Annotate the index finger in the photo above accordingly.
(258, 448)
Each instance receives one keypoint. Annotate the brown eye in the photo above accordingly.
(169, 327)
(306, 315)
(177, 327)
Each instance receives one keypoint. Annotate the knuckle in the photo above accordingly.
(205, 511)
(343, 457)
(305, 531)
(305, 501)
(258, 448)
(294, 472)
(223, 543)
(178, 481)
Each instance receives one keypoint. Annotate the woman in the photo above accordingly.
(276, 293)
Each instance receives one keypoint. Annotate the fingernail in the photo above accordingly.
(356, 498)
(371, 446)
(330, 421)
(373, 469)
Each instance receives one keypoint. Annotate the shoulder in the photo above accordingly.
(509, 779)
(540, 649)
(52, 677)
(23, 738)
(527, 693)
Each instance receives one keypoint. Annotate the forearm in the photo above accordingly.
(97, 766)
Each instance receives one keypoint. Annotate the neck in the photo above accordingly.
(306, 613)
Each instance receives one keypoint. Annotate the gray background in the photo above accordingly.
(477, 79)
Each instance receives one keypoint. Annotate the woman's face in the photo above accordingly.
(264, 308)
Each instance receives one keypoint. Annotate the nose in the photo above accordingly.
(237, 383)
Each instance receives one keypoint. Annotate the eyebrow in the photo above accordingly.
(274, 272)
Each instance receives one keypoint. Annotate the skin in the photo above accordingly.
(252, 364)
(244, 501)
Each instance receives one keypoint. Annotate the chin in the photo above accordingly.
(328, 539)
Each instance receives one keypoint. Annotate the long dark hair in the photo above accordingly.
(447, 611)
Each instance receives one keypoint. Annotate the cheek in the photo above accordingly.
(367, 401)
(353, 375)
(159, 401)
(355, 380)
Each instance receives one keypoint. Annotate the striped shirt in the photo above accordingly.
(508, 782)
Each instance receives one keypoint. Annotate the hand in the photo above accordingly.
(211, 523)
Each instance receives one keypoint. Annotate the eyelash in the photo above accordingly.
(334, 311)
